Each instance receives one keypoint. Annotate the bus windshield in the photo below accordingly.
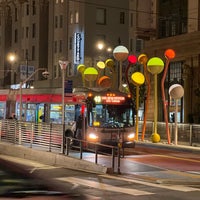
(111, 116)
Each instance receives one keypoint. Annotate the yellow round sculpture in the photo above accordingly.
(81, 68)
(101, 65)
(155, 138)
(142, 58)
(155, 65)
(138, 78)
(90, 74)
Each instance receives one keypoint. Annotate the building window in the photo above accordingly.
(61, 21)
(122, 18)
(27, 31)
(16, 14)
(56, 21)
(139, 45)
(101, 16)
(175, 72)
(33, 8)
(60, 46)
(33, 52)
(131, 44)
(76, 17)
(33, 30)
(71, 18)
(70, 43)
(55, 47)
(16, 36)
(26, 55)
(27, 9)
(131, 20)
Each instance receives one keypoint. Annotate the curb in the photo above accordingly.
(50, 158)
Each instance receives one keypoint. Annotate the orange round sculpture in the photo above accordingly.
(170, 53)
(105, 81)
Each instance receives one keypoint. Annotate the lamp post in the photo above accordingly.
(12, 58)
(63, 66)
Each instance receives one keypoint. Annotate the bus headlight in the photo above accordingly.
(92, 137)
(131, 136)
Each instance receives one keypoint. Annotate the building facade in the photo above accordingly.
(178, 28)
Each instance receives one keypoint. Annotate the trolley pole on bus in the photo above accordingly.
(63, 66)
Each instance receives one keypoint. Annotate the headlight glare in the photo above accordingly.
(131, 136)
(93, 136)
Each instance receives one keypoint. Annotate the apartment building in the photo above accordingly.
(36, 34)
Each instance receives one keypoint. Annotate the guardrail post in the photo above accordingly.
(113, 158)
(32, 135)
(20, 133)
(81, 149)
(67, 145)
(50, 137)
(118, 165)
(190, 135)
(96, 151)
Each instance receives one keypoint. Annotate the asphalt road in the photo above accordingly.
(103, 186)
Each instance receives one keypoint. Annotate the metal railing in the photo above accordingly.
(188, 134)
(48, 137)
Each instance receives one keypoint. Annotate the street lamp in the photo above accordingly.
(63, 66)
(11, 58)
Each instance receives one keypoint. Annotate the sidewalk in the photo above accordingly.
(183, 147)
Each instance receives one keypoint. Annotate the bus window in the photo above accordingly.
(111, 116)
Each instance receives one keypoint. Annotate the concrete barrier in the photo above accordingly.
(51, 158)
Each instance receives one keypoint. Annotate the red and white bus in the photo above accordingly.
(107, 116)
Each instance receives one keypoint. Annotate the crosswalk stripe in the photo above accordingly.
(103, 186)
(169, 187)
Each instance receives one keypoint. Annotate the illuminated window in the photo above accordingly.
(76, 17)
(101, 16)
(71, 18)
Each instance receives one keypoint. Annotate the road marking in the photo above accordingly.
(169, 187)
(103, 186)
